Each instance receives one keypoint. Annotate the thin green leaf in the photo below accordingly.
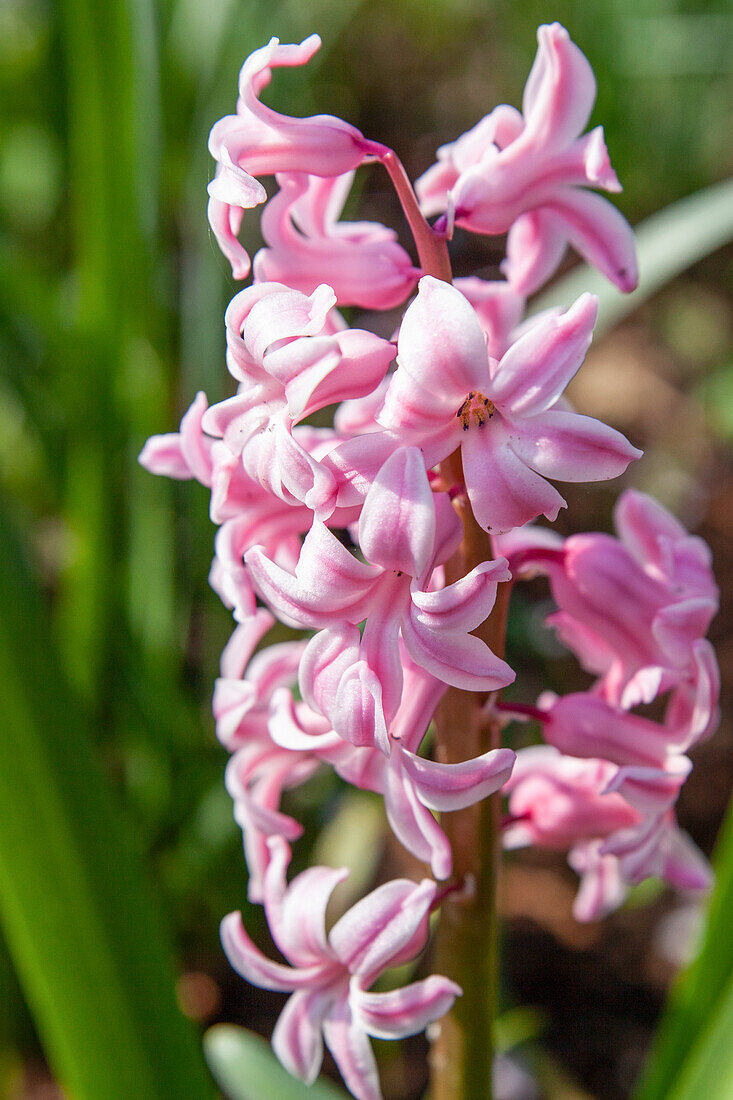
(667, 243)
(701, 1003)
(81, 926)
(245, 1067)
(708, 1069)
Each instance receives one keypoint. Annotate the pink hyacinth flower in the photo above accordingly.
(307, 245)
(289, 366)
(258, 141)
(656, 848)
(330, 975)
(634, 609)
(403, 537)
(528, 173)
(259, 769)
(412, 786)
(556, 801)
(448, 393)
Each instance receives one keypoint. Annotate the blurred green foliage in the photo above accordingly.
(111, 305)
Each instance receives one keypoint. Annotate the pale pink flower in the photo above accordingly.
(259, 769)
(258, 141)
(555, 801)
(527, 173)
(616, 822)
(289, 365)
(448, 393)
(412, 786)
(308, 245)
(330, 975)
(634, 609)
(656, 848)
(403, 539)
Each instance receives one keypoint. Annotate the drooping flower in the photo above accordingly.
(634, 608)
(528, 173)
(258, 141)
(308, 245)
(289, 365)
(330, 975)
(404, 538)
(411, 784)
(448, 393)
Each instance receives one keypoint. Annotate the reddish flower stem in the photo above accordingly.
(462, 1051)
(432, 249)
(521, 710)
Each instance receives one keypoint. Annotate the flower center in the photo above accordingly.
(477, 406)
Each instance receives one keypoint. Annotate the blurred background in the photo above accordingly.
(112, 294)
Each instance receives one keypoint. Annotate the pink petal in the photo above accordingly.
(463, 605)
(239, 649)
(685, 866)
(162, 455)
(446, 787)
(693, 712)
(600, 233)
(351, 1052)
(359, 712)
(280, 313)
(377, 931)
(182, 454)
(499, 309)
(560, 90)
(225, 222)
(405, 1011)
(263, 142)
(503, 491)
(287, 729)
(441, 346)
(538, 366)
(535, 246)
(652, 790)
(410, 820)
(296, 913)
(356, 463)
(571, 447)
(397, 522)
(328, 583)
(584, 725)
(678, 626)
(602, 889)
(249, 961)
(458, 659)
(296, 1039)
(327, 656)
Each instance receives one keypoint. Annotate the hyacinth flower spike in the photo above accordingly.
(330, 975)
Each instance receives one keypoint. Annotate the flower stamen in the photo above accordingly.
(477, 406)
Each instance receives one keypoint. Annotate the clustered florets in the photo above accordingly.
(391, 635)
